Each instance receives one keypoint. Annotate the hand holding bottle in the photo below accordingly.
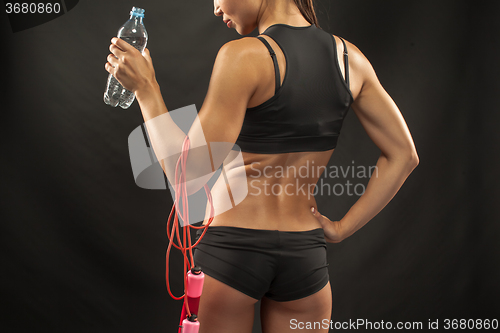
(131, 68)
(134, 33)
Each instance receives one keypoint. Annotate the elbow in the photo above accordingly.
(414, 159)
(406, 159)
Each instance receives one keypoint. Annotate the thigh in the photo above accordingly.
(224, 309)
(281, 317)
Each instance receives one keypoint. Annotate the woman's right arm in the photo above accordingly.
(235, 77)
(384, 124)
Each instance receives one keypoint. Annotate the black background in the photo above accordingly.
(82, 247)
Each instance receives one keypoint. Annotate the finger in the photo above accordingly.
(109, 68)
(121, 44)
(317, 215)
(112, 60)
(147, 56)
(116, 51)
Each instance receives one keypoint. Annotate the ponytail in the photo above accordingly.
(307, 10)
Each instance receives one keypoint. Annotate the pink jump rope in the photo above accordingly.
(193, 276)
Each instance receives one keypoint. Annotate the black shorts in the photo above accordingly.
(280, 265)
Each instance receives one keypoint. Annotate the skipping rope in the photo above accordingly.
(193, 276)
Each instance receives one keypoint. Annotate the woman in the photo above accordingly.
(285, 112)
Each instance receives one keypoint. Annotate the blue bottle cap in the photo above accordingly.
(136, 11)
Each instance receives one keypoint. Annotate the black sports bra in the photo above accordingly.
(307, 111)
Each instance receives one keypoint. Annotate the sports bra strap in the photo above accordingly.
(346, 63)
(275, 61)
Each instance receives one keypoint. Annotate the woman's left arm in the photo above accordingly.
(387, 128)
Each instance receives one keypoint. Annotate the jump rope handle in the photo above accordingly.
(195, 279)
(190, 325)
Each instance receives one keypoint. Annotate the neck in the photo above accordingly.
(285, 12)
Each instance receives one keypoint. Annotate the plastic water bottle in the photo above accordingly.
(134, 33)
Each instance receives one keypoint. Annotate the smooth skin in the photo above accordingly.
(242, 77)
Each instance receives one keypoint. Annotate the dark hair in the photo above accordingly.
(307, 10)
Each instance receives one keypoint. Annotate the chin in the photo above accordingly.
(245, 30)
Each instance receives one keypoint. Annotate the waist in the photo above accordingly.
(269, 213)
(237, 237)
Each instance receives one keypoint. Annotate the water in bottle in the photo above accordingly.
(134, 33)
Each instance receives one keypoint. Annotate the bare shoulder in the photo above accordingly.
(246, 48)
(241, 61)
